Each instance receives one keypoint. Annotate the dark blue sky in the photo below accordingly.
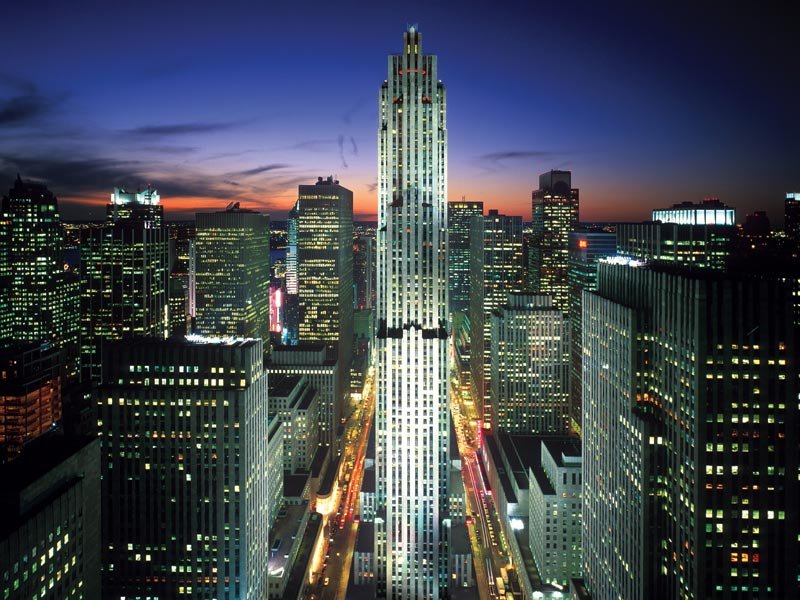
(213, 102)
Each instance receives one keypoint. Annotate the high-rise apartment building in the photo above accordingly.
(529, 359)
(459, 219)
(324, 214)
(496, 269)
(232, 273)
(690, 434)
(184, 430)
(39, 300)
(412, 412)
(124, 276)
(555, 214)
(585, 249)
(791, 216)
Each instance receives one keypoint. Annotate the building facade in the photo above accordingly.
(185, 493)
(791, 216)
(295, 403)
(232, 273)
(412, 412)
(496, 269)
(529, 358)
(690, 437)
(124, 276)
(555, 214)
(459, 219)
(585, 249)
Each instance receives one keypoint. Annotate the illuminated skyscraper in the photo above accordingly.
(364, 272)
(292, 316)
(496, 269)
(585, 249)
(459, 217)
(232, 273)
(124, 276)
(791, 215)
(39, 301)
(181, 282)
(690, 434)
(412, 413)
(324, 214)
(529, 360)
(555, 214)
(184, 431)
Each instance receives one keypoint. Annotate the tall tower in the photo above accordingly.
(555, 214)
(459, 217)
(412, 417)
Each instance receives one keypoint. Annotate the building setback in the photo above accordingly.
(555, 214)
(124, 276)
(232, 273)
(690, 434)
(184, 428)
(529, 357)
(412, 409)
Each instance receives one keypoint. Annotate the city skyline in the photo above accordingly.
(695, 112)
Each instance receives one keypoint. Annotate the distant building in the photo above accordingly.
(292, 316)
(756, 225)
(555, 511)
(791, 216)
(322, 372)
(585, 249)
(295, 403)
(50, 529)
(690, 439)
(708, 212)
(459, 219)
(364, 272)
(39, 299)
(496, 269)
(192, 413)
(30, 395)
(324, 214)
(529, 358)
(232, 273)
(555, 214)
(181, 278)
(124, 276)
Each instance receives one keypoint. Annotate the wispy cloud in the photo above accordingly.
(353, 145)
(259, 170)
(347, 115)
(25, 105)
(179, 129)
(340, 142)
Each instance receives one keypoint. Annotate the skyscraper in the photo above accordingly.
(459, 217)
(291, 333)
(529, 360)
(690, 434)
(38, 299)
(185, 432)
(791, 215)
(324, 214)
(585, 248)
(232, 273)
(181, 282)
(496, 269)
(124, 276)
(555, 214)
(412, 413)
(364, 262)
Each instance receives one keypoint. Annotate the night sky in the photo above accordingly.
(214, 102)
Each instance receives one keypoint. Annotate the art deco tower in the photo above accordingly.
(412, 404)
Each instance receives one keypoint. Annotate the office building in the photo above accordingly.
(312, 361)
(39, 299)
(555, 214)
(232, 273)
(50, 530)
(412, 409)
(529, 358)
(791, 216)
(555, 511)
(181, 279)
(275, 458)
(459, 219)
(183, 425)
(364, 272)
(585, 249)
(295, 403)
(124, 276)
(690, 434)
(324, 214)
(31, 381)
(708, 212)
(496, 269)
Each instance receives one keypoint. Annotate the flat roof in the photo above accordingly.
(459, 539)
(368, 483)
(281, 385)
(294, 484)
(365, 540)
(284, 530)
(307, 398)
(490, 442)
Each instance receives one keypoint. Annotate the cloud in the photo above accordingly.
(353, 146)
(518, 154)
(179, 129)
(171, 149)
(371, 187)
(259, 170)
(76, 176)
(313, 145)
(347, 115)
(26, 104)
